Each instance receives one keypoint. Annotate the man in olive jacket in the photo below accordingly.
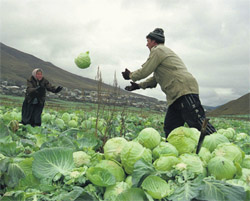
(180, 87)
(35, 97)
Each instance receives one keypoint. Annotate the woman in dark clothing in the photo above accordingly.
(35, 97)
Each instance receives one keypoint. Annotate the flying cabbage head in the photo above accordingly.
(83, 60)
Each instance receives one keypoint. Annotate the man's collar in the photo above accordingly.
(154, 47)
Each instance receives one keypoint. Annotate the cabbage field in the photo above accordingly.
(120, 156)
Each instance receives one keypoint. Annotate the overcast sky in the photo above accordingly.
(211, 36)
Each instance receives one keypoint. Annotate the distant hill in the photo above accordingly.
(239, 106)
(16, 66)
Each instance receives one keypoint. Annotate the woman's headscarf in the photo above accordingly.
(35, 71)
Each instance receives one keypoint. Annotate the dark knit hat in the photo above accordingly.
(157, 35)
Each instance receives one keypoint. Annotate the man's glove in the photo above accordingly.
(125, 74)
(133, 86)
(58, 89)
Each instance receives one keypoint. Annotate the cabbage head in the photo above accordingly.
(193, 162)
(229, 151)
(46, 117)
(164, 148)
(156, 187)
(101, 122)
(59, 123)
(165, 163)
(2, 156)
(66, 117)
(184, 139)
(241, 136)
(229, 133)
(8, 116)
(100, 176)
(81, 158)
(205, 155)
(246, 162)
(149, 138)
(113, 147)
(87, 124)
(181, 166)
(114, 168)
(75, 174)
(112, 192)
(132, 152)
(72, 124)
(147, 155)
(11, 115)
(128, 180)
(245, 175)
(74, 117)
(13, 125)
(91, 123)
(211, 141)
(221, 168)
(83, 60)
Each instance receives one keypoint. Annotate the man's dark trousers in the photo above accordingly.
(187, 109)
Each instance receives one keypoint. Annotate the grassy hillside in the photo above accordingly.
(240, 106)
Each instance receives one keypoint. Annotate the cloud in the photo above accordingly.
(211, 37)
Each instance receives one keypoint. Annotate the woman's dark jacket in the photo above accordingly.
(37, 89)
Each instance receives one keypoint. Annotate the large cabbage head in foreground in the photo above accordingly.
(213, 140)
(229, 151)
(132, 152)
(184, 139)
(149, 138)
(221, 168)
(113, 147)
(164, 148)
